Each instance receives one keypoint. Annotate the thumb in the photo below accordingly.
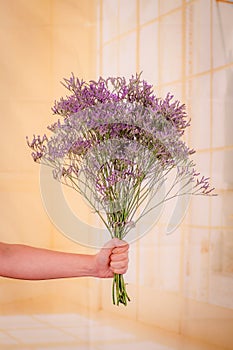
(113, 243)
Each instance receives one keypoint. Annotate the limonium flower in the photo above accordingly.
(115, 144)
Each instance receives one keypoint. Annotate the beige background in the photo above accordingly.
(182, 282)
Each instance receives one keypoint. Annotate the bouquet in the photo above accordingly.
(116, 145)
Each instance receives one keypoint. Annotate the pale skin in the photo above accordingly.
(29, 263)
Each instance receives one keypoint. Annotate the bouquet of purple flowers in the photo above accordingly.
(116, 145)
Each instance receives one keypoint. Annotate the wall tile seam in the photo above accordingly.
(207, 227)
(213, 149)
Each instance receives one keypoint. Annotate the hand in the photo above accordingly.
(112, 258)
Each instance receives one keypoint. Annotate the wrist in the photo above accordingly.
(92, 266)
(85, 266)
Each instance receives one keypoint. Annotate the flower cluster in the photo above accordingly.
(115, 90)
(115, 146)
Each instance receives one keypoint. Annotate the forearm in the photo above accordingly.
(24, 262)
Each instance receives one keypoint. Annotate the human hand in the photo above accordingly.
(112, 258)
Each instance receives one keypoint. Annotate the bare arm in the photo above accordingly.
(25, 262)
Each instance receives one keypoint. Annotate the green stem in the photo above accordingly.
(119, 294)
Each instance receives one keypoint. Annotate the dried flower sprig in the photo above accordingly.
(116, 146)
(83, 95)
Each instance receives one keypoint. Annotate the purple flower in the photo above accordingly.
(114, 90)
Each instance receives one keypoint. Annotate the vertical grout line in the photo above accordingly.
(100, 289)
(183, 50)
(96, 43)
(159, 49)
(101, 38)
(52, 47)
(138, 241)
(52, 231)
(211, 84)
(137, 37)
(211, 142)
(118, 37)
(182, 231)
(189, 73)
(190, 58)
(188, 52)
(159, 94)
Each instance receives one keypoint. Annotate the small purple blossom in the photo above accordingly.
(38, 145)
(80, 147)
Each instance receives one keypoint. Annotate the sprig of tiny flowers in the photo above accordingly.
(83, 95)
(125, 141)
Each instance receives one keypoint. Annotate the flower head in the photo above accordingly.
(115, 136)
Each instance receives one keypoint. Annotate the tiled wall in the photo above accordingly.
(184, 281)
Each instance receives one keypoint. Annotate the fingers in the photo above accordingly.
(119, 257)
(121, 249)
(115, 252)
(115, 242)
(119, 266)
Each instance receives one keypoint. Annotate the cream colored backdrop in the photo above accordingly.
(182, 282)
